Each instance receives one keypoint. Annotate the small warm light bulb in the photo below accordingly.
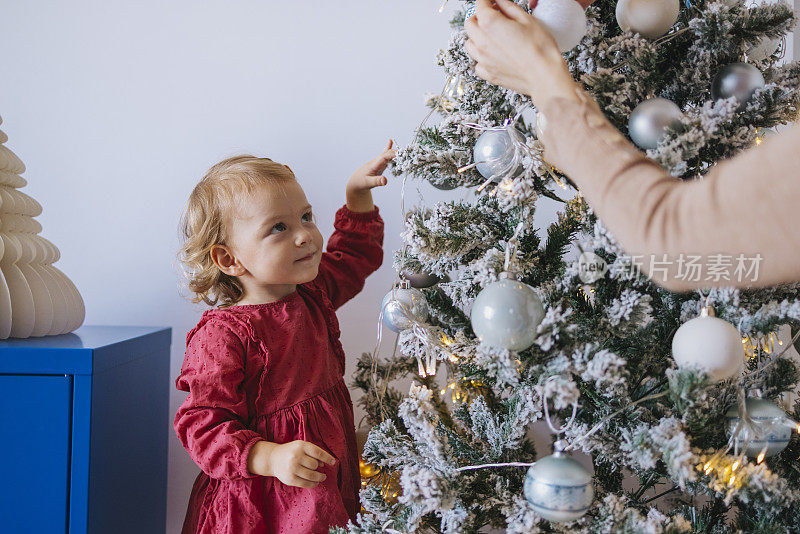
(735, 466)
(453, 358)
(797, 428)
(733, 479)
(761, 457)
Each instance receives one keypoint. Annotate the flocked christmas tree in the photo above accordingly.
(679, 401)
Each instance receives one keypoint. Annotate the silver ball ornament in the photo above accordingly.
(494, 153)
(648, 18)
(559, 488)
(421, 280)
(772, 429)
(444, 186)
(737, 79)
(564, 19)
(414, 301)
(505, 314)
(710, 344)
(650, 119)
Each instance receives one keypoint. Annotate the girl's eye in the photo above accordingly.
(309, 216)
(279, 225)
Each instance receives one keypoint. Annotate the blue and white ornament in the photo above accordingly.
(404, 305)
(771, 430)
(505, 314)
(559, 488)
(709, 344)
(470, 11)
(497, 152)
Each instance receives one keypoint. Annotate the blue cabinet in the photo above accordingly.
(84, 423)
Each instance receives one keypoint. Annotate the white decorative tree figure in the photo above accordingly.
(36, 299)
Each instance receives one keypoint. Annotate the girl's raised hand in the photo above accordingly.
(295, 463)
(369, 175)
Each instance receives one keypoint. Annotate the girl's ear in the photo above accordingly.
(225, 261)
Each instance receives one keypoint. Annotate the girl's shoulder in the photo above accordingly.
(219, 321)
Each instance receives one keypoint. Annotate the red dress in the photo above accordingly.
(275, 372)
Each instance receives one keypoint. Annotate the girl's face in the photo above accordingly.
(275, 242)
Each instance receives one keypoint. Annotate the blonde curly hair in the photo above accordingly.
(206, 219)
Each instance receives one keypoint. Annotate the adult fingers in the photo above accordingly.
(511, 10)
(319, 453)
(471, 49)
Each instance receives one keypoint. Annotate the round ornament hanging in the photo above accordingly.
(648, 18)
(771, 429)
(505, 314)
(404, 305)
(737, 79)
(710, 344)
(559, 488)
(766, 46)
(650, 119)
(564, 19)
(422, 280)
(495, 153)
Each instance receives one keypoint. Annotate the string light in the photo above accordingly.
(765, 343)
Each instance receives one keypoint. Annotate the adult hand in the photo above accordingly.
(513, 49)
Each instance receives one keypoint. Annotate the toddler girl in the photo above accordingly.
(268, 417)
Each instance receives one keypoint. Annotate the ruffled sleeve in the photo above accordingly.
(211, 421)
(741, 210)
(354, 251)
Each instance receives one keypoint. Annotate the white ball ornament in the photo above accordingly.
(650, 119)
(766, 46)
(394, 316)
(709, 344)
(564, 19)
(505, 314)
(648, 18)
(559, 488)
(771, 432)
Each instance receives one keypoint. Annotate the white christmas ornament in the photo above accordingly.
(505, 314)
(766, 46)
(771, 429)
(559, 488)
(404, 305)
(648, 18)
(564, 19)
(710, 344)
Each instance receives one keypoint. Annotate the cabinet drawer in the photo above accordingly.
(35, 414)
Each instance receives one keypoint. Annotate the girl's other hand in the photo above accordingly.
(292, 463)
(369, 175)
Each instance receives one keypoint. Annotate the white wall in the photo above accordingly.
(117, 109)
